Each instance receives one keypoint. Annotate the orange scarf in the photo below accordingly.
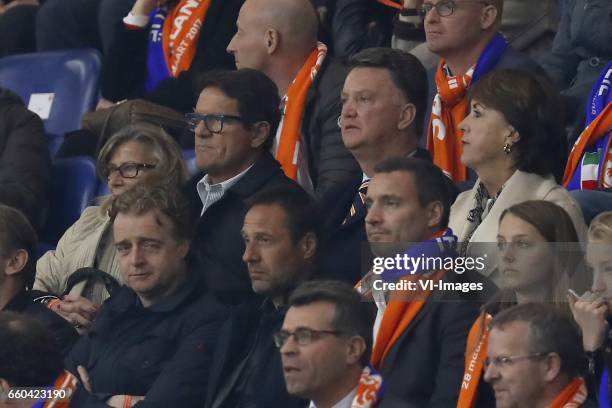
(601, 125)
(398, 316)
(449, 109)
(181, 32)
(476, 353)
(66, 382)
(573, 395)
(295, 104)
(391, 3)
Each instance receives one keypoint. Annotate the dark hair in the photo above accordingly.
(550, 331)
(301, 210)
(407, 73)
(352, 316)
(431, 183)
(256, 94)
(533, 107)
(144, 198)
(16, 233)
(29, 354)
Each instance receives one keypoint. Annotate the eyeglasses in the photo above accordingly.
(213, 122)
(303, 336)
(505, 361)
(445, 8)
(126, 170)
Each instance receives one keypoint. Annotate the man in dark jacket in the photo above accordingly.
(25, 166)
(383, 103)
(152, 341)
(281, 237)
(279, 38)
(17, 269)
(236, 114)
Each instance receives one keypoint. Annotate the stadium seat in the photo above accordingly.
(68, 80)
(73, 185)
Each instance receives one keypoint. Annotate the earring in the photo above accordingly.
(507, 148)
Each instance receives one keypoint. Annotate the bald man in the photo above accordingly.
(279, 38)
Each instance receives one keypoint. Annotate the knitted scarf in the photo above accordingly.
(295, 104)
(475, 355)
(589, 165)
(573, 395)
(66, 382)
(450, 106)
(369, 389)
(173, 40)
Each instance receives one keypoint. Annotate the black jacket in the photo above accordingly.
(162, 352)
(124, 69)
(63, 332)
(256, 382)
(218, 243)
(329, 161)
(346, 247)
(25, 165)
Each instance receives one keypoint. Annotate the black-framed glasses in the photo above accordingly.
(303, 336)
(213, 121)
(505, 361)
(127, 170)
(445, 8)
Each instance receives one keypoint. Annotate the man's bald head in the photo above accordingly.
(273, 27)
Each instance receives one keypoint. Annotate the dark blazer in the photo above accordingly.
(162, 352)
(425, 366)
(218, 243)
(124, 68)
(259, 381)
(64, 333)
(346, 247)
(329, 161)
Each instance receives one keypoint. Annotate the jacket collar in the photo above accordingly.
(19, 302)
(263, 169)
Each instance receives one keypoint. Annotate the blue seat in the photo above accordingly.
(71, 75)
(73, 185)
(190, 161)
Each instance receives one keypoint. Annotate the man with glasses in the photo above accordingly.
(465, 34)
(281, 243)
(535, 359)
(233, 123)
(325, 344)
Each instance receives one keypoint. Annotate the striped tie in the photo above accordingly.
(359, 201)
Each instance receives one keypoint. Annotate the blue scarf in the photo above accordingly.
(157, 70)
(490, 56)
(604, 398)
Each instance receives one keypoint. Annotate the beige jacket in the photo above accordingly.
(520, 187)
(77, 249)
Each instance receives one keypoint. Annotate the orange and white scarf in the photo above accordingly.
(572, 396)
(475, 356)
(293, 112)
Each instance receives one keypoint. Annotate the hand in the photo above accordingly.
(412, 4)
(104, 104)
(5, 7)
(79, 311)
(590, 312)
(145, 7)
(117, 401)
(84, 378)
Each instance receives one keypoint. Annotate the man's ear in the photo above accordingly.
(15, 262)
(272, 40)
(488, 17)
(308, 245)
(553, 367)
(261, 133)
(356, 348)
(407, 116)
(435, 212)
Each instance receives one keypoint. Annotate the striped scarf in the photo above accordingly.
(65, 385)
(589, 166)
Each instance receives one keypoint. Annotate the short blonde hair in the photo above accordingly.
(600, 228)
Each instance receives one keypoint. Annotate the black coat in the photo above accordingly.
(218, 243)
(329, 161)
(64, 333)
(124, 69)
(162, 352)
(25, 165)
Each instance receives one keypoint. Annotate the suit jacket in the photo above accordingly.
(346, 246)
(329, 161)
(520, 187)
(218, 243)
(425, 366)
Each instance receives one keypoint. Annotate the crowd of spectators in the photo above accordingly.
(395, 204)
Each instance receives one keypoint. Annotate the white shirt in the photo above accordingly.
(210, 194)
(345, 402)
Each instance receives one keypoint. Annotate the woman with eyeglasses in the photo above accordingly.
(539, 259)
(514, 140)
(134, 155)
